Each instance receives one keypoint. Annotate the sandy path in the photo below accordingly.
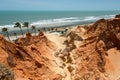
(58, 40)
(60, 68)
(55, 37)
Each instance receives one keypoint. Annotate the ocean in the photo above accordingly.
(42, 19)
(52, 18)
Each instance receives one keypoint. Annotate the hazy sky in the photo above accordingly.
(59, 4)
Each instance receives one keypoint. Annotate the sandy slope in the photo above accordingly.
(55, 37)
(113, 64)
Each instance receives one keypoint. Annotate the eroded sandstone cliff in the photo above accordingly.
(30, 58)
(90, 54)
(93, 53)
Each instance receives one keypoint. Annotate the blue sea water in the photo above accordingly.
(52, 18)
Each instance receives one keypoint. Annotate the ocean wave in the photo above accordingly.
(70, 20)
(7, 26)
(65, 21)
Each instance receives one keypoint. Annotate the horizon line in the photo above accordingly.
(59, 10)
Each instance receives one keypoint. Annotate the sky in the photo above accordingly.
(77, 5)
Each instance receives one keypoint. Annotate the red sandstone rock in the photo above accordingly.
(117, 16)
(101, 36)
(29, 57)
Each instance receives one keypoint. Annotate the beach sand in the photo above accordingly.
(56, 30)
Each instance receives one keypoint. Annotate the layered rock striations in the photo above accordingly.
(91, 54)
(30, 57)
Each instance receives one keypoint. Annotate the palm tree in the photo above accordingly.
(15, 34)
(49, 29)
(26, 24)
(39, 30)
(44, 29)
(17, 24)
(52, 29)
(5, 30)
(34, 28)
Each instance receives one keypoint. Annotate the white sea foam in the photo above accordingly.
(6, 26)
(64, 21)
(68, 21)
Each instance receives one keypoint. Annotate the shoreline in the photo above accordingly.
(81, 53)
(50, 30)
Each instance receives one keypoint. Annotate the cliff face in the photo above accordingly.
(117, 16)
(30, 57)
(91, 54)
(93, 60)
(107, 31)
